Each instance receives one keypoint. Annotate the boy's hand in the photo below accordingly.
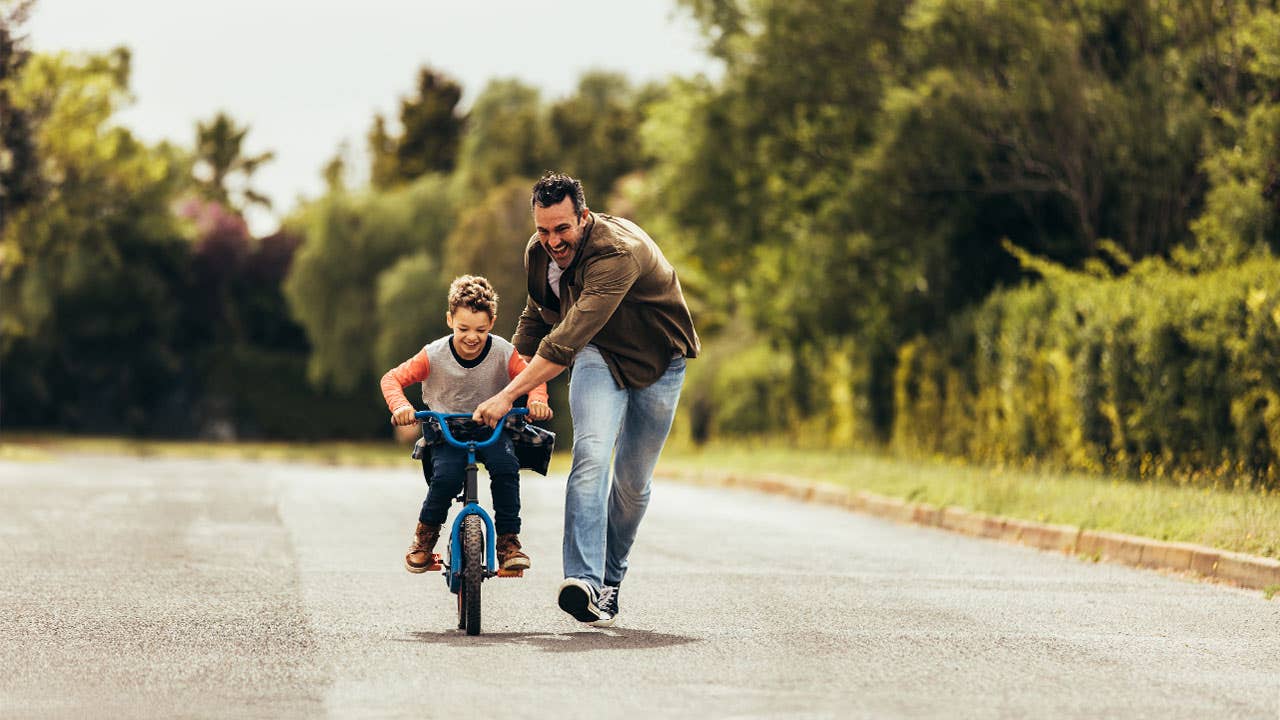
(539, 411)
(403, 416)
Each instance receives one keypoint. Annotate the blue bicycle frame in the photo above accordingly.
(471, 505)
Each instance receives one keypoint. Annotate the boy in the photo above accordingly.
(457, 372)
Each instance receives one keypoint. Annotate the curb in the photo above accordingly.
(1249, 571)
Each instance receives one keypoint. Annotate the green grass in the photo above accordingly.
(1237, 519)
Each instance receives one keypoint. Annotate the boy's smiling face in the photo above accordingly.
(470, 331)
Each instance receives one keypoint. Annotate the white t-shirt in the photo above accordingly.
(554, 272)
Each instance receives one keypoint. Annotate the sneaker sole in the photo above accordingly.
(605, 623)
(575, 601)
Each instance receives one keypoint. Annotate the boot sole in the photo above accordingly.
(516, 565)
(415, 570)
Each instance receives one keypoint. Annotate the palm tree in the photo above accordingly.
(219, 156)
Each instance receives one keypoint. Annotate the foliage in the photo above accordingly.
(597, 131)
(507, 136)
(430, 130)
(333, 287)
(92, 272)
(1157, 373)
(219, 156)
(19, 174)
(489, 240)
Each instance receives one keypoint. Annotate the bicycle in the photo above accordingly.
(472, 555)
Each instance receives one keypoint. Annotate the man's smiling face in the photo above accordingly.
(560, 229)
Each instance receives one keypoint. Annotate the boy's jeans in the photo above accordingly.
(599, 522)
(450, 472)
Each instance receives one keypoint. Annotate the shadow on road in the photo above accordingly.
(604, 639)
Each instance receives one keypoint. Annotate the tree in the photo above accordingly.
(489, 240)
(597, 130)
(19, 171)
(220, 157)
(430, 131)
(1241, 216)
(507, 136)
(333, 286)
(90, 331)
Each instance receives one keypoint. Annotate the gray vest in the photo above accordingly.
(452, 388)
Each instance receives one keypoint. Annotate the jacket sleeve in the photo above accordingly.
(529, 330)
(514, 367)
(414, 370)
(605, 282)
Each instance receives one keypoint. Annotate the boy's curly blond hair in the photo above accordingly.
(474, 293)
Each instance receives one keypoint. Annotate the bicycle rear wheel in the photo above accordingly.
(472, 574)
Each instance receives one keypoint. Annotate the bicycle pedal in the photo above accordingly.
(510, 573)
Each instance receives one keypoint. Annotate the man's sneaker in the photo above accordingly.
(421, 556)
(580, 599)
(509, 555)
(608, 604)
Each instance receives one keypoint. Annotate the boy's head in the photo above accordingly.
(473, 308)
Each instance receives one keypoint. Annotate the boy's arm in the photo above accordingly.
(414, 370)
(515, 367)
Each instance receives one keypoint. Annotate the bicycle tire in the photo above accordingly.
(472, 571)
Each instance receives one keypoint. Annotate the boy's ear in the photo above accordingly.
(448, 319)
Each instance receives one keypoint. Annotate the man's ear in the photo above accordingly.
(586, 212)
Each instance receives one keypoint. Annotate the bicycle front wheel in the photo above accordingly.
(472, 573)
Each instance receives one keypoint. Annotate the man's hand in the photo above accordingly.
(491, 411)
(403, 416)
(539, 410)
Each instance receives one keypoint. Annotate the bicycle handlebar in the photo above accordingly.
(443, 419)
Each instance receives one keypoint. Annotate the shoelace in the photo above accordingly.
(606, 598)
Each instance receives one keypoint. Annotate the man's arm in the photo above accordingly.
(605, 282)
(539, 371)
(530, 329)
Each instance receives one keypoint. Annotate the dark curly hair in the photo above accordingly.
(474, 293)
(554, 187)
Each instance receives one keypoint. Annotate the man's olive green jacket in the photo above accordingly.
(619, 293)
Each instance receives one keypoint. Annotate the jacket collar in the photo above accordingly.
(582, 243)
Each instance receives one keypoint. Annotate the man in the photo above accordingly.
(604, 299)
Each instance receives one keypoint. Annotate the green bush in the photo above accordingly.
(1157, 372)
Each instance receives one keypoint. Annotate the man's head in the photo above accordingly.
(560, 215)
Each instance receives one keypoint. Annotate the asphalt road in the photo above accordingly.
(193, 588)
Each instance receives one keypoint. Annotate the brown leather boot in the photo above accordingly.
(420, 557)
(509, 555)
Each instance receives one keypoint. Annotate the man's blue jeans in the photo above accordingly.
(600, 521)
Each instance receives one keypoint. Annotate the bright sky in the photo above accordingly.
(307, 74)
